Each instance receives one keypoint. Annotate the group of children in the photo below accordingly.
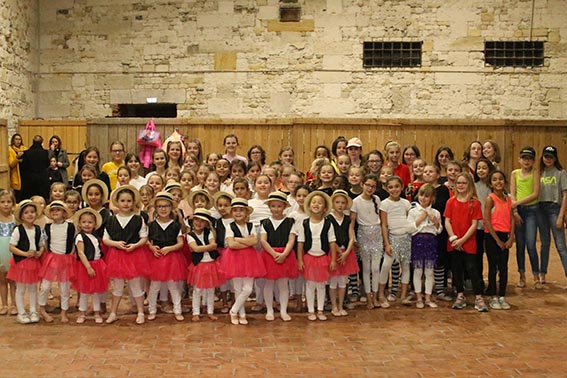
(240, 226)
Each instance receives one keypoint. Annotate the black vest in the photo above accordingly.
(89, 247)
(24, 242)
(69, 240)
(196, 257)
(105, 214)
(325, 245)
(341, 230)
(163, 238)
(280, 237)
(128, 234)
(236, 230)
(221, 233)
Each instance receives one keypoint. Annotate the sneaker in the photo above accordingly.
(503, 304)
(391, 297)
(538, 285)
(363, 299)
(34, 317)
(406, 301)
(349, 306)
(23, 318)
(460, 303)
(480, 306)
(495, 304)
(444, 297)
(419, 304)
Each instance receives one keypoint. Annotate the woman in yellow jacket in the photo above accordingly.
(16, 151)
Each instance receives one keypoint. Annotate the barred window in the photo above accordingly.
(391, 54)
(513, 53)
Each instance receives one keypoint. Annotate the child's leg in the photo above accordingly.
(20, 292)
(83, 304)
(310, 296)
(320, 286)
(492, 251)
(283, 287)
(405, 279)
(457, 269)
(210, 293)
(439, 279)
(196, 301)
(384, 273)
(4, 292)
(417, 283)
(44, 290)
(395, 278)
(503, 257)
(269, 298)
(237, 286)
(117, 291)
(341, 291)
(65, 290)
(173, 287)
(163, 298)
(136, 287)
(333, 284)
(429, 282)
(33, 297)
(155, 287)
(259, 290)
(247, 286)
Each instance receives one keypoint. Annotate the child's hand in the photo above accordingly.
(121, 245)
(509, 243)
(518, 219)
(388, 249)
(165, 250)
(333, 265)
(129, 247)
(157, 251)
(342, 257)
(91, 272)
(300, 265)
(501, 244)
(31, 253)
(458, 244)
(280, 258)
(559, 223)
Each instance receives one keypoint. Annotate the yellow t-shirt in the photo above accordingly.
(111, 169)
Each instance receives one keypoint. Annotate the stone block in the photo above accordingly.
(332, 90)
(215, 20)
(55, 83)
(121, 96)
(280, 102)
(457, 78)
(467, 44)
(226, 6)
(53, 110)
(333, 62)
(332, 77)
(334, 6)
(271, 12)
(333, 107)
(302, 26)
(219, 106)
(225, 61)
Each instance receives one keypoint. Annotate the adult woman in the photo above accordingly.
(338, 148)
(60, 155)
(443, 156)
(257, 153)
(491, 151)
(472, 155)
(16, 151)
(409, 155)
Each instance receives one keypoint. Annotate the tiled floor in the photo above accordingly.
(530, 340)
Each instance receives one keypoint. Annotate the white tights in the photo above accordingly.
(283, 288)
(297, 286)
(310, 287)
(64, 288)
(155, 288)
(84, 301)
(242, 290)
(429, 280)
(387, 265)
(20, 291)
(135, 286)
(371, 266)
(338, 282)
(208, 295)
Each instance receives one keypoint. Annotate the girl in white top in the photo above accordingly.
(297, 285)
(397, 241)
(365, 211)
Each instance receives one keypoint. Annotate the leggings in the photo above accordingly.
(310, 288)
(242, 290)
(84, 301)
(371, 266)
(135, 286)
(385, 271)
(418, 282)
(338, 282)
(20, 292)
(156, 287)
(282, 285)
(461, 262)
(64, 288)
(209, 294)
(497, 263)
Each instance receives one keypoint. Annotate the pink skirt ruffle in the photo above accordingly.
(57, 268)
(350, 266)
(242, 263)
(26, 271)
(90, 285)
(128, 265)
(172, 266)
(186, 252)
(205, 275)
(316, 268)
(275, 271)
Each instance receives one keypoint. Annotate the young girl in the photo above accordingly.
(343, 164)
(491, 152)
(316, 251)
(90, 269)
(453, 170)
(111, 168)
(222, 168)
(133, 162)
(394, 156)
(123, 176)
(354, 151)
(277, 253)
(365, 212)
(252, 171)
(26, 246)
(397, 240)
(72, 199)
(212, 183)
(551, 208)
(286, 155)
(128, 258)
(95, 195)
(381, 190)
(325, 179)
(194, 147)
(262, 187)
(175, 152)
(257, 153)
(241, 262)
(499, 238)
(417, 168)
(212, 158)
(230, 145)
(427, 223)
(237, 169)
(409, 155)
(165, 240)
(58, 263)
(202, 174)
(222, 205)
(191, 163)
(204, 272)
(287, 172)
(346, 257)
(241, 188)
(462, 214)
(146, 195)
(297, 285)
(373, 162)
(57, 191)
(355, 175)
(42, 220)
(483, 168)
(322, 152)
(156, 182)
(187, 182)
(172, 173)
(524, 189)
(159, 163)
(472, 155)
(7, 225)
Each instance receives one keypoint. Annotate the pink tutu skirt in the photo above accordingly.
(90, 285)
(26, 271)
(186, 252)
(171, 267)
(316, 268)
(128, 265)
(57, 268)
(205, 275)
(349, 267)
(275, 271)
(242, 263)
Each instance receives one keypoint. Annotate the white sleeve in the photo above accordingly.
(331, 234)
(301, 233)
(190, 239)
(143, 233)
(15, 239)
(228, 233)
(78, 238)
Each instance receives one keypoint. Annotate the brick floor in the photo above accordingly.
(527, 341)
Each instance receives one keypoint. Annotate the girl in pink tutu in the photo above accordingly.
(165, 236)
(316, 251)
(128, 256)
(241, 262)
(277, 253)
(58, 263)
(222, 205)
(90, 269)
(204, 269)
(26, 246)
(346, 257)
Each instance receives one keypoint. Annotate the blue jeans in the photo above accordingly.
(526, 237)
(546, 218)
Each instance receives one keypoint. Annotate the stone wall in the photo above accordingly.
(18, 60)
(232, 58)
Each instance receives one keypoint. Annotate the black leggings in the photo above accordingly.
(465, 262)
(497, 263)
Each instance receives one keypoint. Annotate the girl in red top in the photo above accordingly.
(394, 156)
(462, 214)
(499, 237)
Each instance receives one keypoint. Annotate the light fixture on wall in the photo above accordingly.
(151, 100)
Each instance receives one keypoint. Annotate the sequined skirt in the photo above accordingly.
(370, 242)
(424, 251)
(401, 247)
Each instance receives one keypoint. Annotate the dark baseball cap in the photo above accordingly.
(550, 151)
(527, 152)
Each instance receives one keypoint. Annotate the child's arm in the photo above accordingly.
(176, 247)
(300, 256)
(511, 235)
(235, 243)
(341, 256)
(561, 217)
(111, 243)
(248, 241)
(458, 244)
(141, 242)
(384, 222)
(288, 248)
(201, 248)
(488, 205)
(333, 265)
(154, 248)
(81, 252)
(267, 247)
(16, 251)
(531, 197)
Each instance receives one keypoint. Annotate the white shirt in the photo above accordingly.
(299, 218)
(206, 256)
(123, 221)
(15, 239)
(95, 244)
(367, 211)
(427, 226)
(397, 216)
(59, 237)
(138, 182)
(261, 211)
(316, 231)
